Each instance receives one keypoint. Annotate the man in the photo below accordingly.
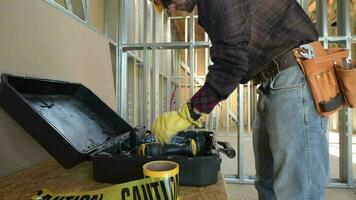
(252, 40)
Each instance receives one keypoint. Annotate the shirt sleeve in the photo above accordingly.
(229, 27)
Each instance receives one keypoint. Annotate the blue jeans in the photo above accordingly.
(289, 139)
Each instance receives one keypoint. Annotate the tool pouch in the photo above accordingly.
(321, 77)
(347, 82)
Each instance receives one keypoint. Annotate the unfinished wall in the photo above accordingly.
(61, 2)
(96, 14)
(38, 40)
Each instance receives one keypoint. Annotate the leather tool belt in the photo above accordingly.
(330, 75)
(274, 67)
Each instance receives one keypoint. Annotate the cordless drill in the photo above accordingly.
(157, 149)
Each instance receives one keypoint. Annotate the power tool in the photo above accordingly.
(157, 149)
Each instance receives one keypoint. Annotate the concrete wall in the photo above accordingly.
(38, 40)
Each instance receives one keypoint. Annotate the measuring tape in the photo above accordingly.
(161, 182)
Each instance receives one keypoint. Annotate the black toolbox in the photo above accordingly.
(74, 125)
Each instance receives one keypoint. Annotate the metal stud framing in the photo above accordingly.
(85, 6)
(155, 72)
(345, 116)
(240, 134)
(69, 5)
(146, 75)
(106, 16)
(121, 60)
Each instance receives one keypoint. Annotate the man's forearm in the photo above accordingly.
(204, 100)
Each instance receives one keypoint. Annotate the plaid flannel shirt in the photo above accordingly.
(246, 35)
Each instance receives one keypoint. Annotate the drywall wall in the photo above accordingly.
(38, 40)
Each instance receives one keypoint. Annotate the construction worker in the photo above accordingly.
(252, 40)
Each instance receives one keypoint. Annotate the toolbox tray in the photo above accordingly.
(200, 170)
(74, 125)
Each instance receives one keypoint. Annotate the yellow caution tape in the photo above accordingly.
(161, 182)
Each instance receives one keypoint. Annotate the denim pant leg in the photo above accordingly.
(262, 151)
(290, 145)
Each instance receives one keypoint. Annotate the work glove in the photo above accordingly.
(169, 124)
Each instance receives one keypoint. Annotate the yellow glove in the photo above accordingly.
(169, 124)
(158, 7)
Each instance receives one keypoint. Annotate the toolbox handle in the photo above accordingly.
(227, 149)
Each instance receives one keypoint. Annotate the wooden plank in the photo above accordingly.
(52, 176)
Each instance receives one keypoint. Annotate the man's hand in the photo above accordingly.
(169, 124)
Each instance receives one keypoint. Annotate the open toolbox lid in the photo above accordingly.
(68, 110)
